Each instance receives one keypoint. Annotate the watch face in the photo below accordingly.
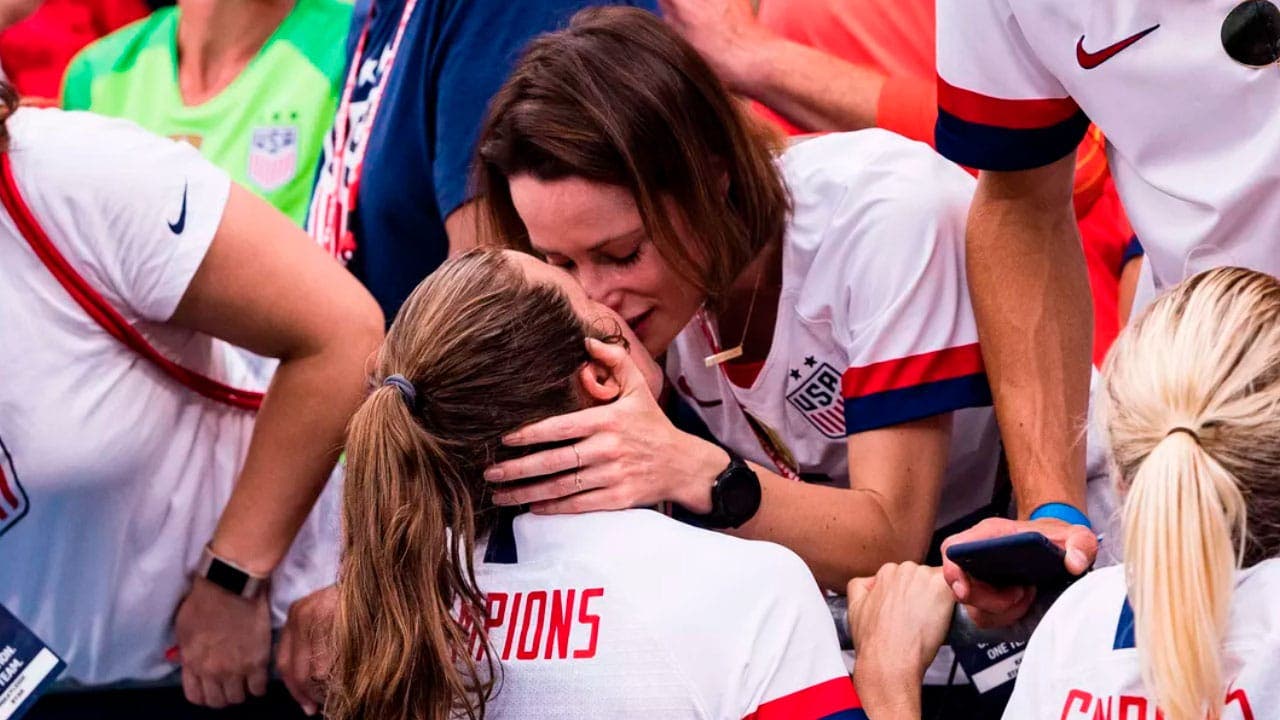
(739, 494)
(227, 577)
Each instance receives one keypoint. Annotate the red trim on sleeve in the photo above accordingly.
(1003, 113)
(817, 701)
(914, 370)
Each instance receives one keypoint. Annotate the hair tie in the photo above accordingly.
(407, 392)
(1187, 430)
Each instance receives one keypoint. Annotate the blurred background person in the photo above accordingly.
(39, 38)
(619, 613)
(252, 84)
(148, 505)
(393, 199)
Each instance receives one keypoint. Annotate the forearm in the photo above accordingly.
(1030, 293)
(887, 695)
(813, 90)
(296, 441)
(840, 533)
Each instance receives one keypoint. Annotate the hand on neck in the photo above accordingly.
(218, 38)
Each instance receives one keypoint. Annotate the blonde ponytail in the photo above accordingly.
(1192, 410)
(1182, 516)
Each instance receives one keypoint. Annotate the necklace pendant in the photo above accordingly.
(723, 356)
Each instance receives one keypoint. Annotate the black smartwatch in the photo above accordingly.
(735, 498)
(228, 576)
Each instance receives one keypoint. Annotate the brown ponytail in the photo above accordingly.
(486, 351)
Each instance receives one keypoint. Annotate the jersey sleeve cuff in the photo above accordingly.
(898, 391)
(990, 133)
(834, 699)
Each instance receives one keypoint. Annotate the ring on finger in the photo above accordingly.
(577, 469)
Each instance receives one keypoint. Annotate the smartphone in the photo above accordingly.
(1027, 558)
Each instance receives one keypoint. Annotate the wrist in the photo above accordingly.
(888, 693)
(749, 61)
(219, 571)
(706, 462)
(1065, 512)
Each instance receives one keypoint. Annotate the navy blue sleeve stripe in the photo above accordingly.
(1132, 250)
(1125, 638)
(986, 147)
(894, 407)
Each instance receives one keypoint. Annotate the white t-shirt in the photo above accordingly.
(633, 614)
(1194, 145)
(115, 474)
(874, 326)
(1082, 664)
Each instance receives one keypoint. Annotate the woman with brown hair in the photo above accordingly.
(451, 607)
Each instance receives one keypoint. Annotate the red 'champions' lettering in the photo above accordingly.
(1081, 705)
(539, 624)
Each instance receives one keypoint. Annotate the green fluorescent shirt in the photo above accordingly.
(265, 128)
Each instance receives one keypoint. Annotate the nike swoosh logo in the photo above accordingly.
(1090, 60)
(180, 224)
(684, 388)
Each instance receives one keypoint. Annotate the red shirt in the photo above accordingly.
(35, 52)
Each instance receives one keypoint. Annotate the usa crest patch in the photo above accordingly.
(273, 156)
(818, 399)
(13, 499)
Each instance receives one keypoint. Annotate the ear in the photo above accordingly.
(598, 383)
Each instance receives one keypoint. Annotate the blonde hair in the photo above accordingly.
(1190, 407)
(486, 351)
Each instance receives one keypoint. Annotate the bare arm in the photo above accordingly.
(887, 514)
(1128, 288)
(812, 89)
(461, 228)
(1030, 292)
(631, 456)
(265, 287)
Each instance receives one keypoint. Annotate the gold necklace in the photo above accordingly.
(735, 352)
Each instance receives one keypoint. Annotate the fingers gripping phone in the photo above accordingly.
(1026, 558)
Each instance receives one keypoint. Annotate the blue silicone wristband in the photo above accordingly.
(1063, 512)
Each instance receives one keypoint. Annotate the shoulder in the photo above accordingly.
(80, 147)
(650, 543)
(1253, 607)
(318, 30)
(869, 163)
(118, 51)
(1087, 615)
(871, 184)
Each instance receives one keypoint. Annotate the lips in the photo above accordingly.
(638, 323)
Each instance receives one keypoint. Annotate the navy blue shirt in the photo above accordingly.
(454, 56)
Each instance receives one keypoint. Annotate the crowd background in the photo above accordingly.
(366, 126)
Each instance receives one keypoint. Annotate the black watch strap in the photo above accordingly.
(735, 496)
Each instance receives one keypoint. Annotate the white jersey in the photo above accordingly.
(1082, 664)
(112, 475)
(633, 614)
(1194, 145)
(874, 326)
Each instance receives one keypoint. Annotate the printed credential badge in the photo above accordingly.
(27, 667)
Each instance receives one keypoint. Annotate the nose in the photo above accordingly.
(601, 287)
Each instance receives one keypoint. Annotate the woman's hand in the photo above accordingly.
(625, 454)
(898, 620)
(305, 654)
(224, 642)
